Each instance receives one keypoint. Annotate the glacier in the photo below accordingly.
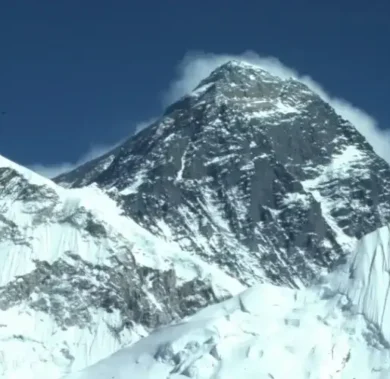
(334, 329)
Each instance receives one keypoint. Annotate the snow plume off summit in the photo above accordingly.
(246, 227)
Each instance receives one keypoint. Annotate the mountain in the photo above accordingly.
(252, 172)
(250, 180)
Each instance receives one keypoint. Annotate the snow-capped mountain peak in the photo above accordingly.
(248, 84)
(252, 164)
(248, 179)
(236, 72)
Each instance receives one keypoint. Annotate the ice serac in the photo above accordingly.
(367, 281)
(79, 281)
(252, 172)
(335, 329)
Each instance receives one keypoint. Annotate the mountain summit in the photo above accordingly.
(249, 180)
(253, 172)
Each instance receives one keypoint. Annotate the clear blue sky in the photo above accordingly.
(74, 74)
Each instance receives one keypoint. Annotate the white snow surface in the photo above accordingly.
(336, 329)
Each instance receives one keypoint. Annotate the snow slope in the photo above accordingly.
(332, 330)
(68, 260)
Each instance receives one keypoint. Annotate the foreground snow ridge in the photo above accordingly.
(61, 255)
(335, 329)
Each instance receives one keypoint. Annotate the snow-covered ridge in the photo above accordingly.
(332, 330)
(27, 174)
(78, 280)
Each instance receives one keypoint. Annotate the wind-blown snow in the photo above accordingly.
(332, 330)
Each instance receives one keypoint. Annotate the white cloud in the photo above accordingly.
(196, 66)
(144, 124)
(53, 170)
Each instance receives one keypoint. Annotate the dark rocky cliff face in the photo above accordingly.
(252, 172)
